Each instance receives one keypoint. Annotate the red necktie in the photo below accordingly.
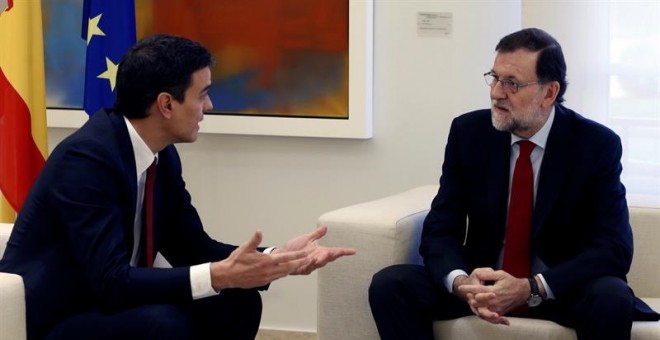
(517, 249)
(517, 258)
(149, 214)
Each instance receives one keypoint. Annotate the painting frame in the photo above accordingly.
(358, 125)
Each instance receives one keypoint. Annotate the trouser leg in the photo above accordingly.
(143, 322)
(404, 302)
(234, 314)
(603, 309)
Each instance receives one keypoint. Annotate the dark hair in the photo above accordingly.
(550, 65)
(156, 64)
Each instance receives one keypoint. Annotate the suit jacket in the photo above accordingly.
(580, 226)
(73, 238)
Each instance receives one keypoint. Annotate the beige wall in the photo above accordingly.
(282, 184)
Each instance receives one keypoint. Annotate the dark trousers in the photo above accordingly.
(234, 314)
(404, 302)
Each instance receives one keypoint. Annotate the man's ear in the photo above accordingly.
(164, 104)
(551, 92)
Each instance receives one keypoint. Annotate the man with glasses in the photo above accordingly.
(531, 218)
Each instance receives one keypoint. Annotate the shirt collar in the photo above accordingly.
(143, 155)
(541, 137)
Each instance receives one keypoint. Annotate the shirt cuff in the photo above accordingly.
(269, 250)
(449, 279)
(548, 291)
(200, 281)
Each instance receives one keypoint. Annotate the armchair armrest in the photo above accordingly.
(384, 232)
(12, 296)
(12, 307)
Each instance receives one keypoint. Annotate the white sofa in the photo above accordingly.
(12, 297)
(387, 231)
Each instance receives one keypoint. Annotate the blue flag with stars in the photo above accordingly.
(109, 29)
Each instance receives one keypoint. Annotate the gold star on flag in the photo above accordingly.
(93, 28)
(109, 74)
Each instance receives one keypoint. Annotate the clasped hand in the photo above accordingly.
(246, 267)
(491, 302)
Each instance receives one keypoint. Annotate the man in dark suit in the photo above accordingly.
(578, 247)
(81, 244)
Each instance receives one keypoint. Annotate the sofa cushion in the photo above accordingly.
(644, 274)
(471, 327)
(12, 307)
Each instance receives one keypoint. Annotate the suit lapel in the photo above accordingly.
(127, 156)
(554, 167)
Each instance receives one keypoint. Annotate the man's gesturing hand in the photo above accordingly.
(247, 267)
(318, 256)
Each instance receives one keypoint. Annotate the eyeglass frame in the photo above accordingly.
(508, 85)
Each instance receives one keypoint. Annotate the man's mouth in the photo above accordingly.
(499, 106)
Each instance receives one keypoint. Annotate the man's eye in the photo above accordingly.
(509, 83)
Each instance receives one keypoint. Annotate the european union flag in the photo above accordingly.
(109, 29)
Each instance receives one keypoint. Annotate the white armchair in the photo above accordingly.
(387, 231)
(12, 297)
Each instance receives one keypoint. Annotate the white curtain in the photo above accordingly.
(612, 50)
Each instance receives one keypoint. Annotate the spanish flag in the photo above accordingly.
(23, 133)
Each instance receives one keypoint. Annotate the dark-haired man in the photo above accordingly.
(530, 219)
(85, 240)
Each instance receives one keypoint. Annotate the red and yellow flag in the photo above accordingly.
(23, 132)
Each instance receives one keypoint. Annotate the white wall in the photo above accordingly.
(581, 48)
(283, 184)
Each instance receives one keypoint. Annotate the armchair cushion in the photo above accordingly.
(12, 297)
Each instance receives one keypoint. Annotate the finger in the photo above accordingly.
(482, 271)
(318, 261)
(488, 275)
(488, 315)
(317, 233)
(288, 256)
(484, 298)
(339, 252)
(322, 256)
(493, 317)
(253, 242)
(287, 268)
(474, 289)
(306, 268)
(499, 320)
(331, 254)
(295, 266)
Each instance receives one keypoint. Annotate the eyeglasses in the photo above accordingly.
(508, 85)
